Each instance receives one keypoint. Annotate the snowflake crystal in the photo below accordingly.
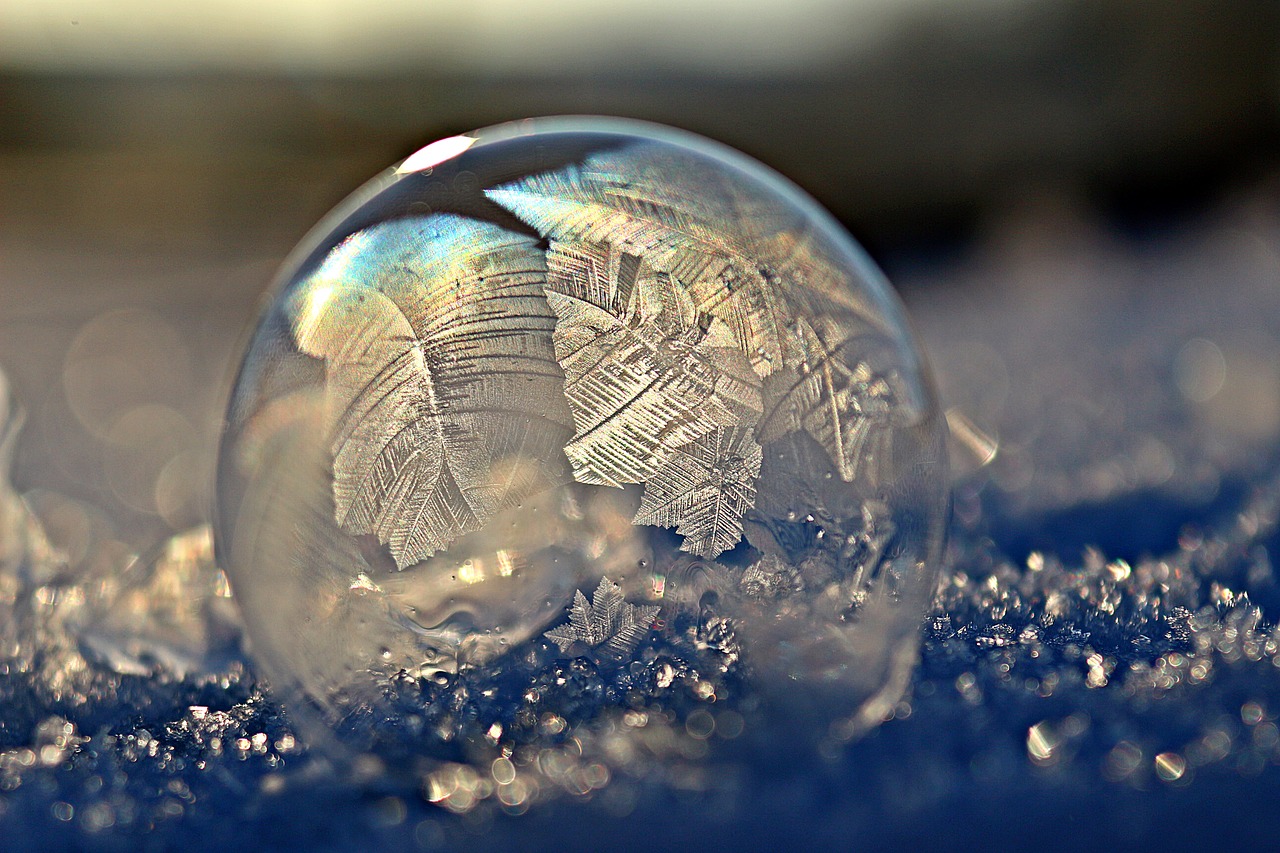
(608, 622)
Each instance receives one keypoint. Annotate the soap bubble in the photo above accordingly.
(569, 389)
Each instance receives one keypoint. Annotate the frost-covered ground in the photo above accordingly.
(1100, 667)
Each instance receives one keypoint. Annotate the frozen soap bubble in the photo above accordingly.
(582, 389)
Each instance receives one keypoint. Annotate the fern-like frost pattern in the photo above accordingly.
(660, 315)
(845, 405)
(647, 376)
(704, 489)
(675, 234)
(445, 400)
(647, 381)
(674, 336)
(649, 347)
(609, 623)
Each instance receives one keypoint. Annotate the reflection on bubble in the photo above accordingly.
(591, 392)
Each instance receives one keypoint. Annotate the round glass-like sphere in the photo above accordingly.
(581, 387)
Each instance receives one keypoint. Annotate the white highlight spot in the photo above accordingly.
(427, 158)
(1200, 369)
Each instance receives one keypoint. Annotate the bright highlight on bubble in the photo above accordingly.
(430, 156)
(583, 388)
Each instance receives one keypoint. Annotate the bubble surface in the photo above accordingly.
(581, 388)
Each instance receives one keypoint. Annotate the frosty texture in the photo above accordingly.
(576, 356)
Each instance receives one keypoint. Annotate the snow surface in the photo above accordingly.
(1099, 667)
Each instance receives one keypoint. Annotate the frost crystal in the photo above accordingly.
(663, 215)
(609, 622)
(842, 402)
(704, 489)
(647, 382)
(662, 347)
(446, 402)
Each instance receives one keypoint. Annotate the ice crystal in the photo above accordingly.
(609, 622)
(446, 404)
(668, 217)
(845, 404)
(650, 380)
(703, 490)
(646, 382)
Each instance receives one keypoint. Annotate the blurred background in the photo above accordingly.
(1015, 160)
